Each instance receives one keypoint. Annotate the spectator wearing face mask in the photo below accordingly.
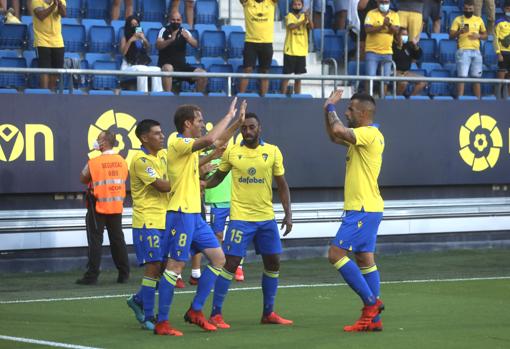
(468, 30)
(502, 45)
(405, 52)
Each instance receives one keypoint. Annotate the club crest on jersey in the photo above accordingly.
(264, 156)
(151, 172)
(252, 171)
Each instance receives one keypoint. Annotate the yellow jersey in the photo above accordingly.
(364, 160)
(252, 179)
(183, 175)
(48, 32)
(502, 31)
(259, 20)
(149, 205)
(476, 25)
(296, 40)
(380, 42)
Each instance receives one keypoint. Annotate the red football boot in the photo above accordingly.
(193, 281)
(239, 275)
(163, 328)
(364, 323)
(217, 320)
(375, 326)
(198, 318)
(275, 319)
(179, 283)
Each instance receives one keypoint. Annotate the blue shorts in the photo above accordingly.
(189, 233)
(219, 219)
(358, 232)
(265, 236)
(149, 244)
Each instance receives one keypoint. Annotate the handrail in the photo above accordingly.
(335, 66)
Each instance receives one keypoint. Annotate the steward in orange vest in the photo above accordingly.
(106, 177)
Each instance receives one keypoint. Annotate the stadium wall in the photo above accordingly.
(45, 139)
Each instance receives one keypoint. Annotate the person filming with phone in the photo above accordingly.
(468, 30)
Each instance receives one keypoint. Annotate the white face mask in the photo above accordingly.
(96, 145)
(507, 14)
(405, 39)
(384, 7)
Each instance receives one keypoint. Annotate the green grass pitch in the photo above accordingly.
(464, 304)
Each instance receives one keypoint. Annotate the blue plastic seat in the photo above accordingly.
(253, 84)
(429, 66)
(248, 95)
(218, 84)
(76, 92)
(102, 93)
(208, 61)
(443, 98)
(190, 50)
(200, 28)
(8, 91)
(420, 98)
(235, 63)
(275, 85)
(74, 37)
(206, 11)
(468, 98)
(148, 25)
(440, 88)
(153, 10)
(451, 17)
(394, 98)
(161, 94)
(92, 57)
(447, 50)
(333, 47)
(275, 95)
(429, 48)
(301, 95)
(97, 9)
(38, 91)
(12, 79)
(489, 55)
(101, 39)
(27, 19)
(13, 36)
(316, 35)
(235, 44)
(213, 43)
(89, 22)
(116, 25)
(74, 8)
(100, 82)
(8, 53)
(488, 89)
(152, 36)
(227, 29)
(438, 37)
(132, 93)
(191, 94)
(217, 94)
(67, 20)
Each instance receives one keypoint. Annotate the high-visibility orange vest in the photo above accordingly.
(109, 173)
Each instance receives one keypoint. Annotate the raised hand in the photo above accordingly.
(334, 97)
(232, 110)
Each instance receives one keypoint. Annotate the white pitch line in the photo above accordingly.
(256, 288)
(47, 343)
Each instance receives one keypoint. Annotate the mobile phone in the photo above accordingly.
(466, 27)
(138, 30)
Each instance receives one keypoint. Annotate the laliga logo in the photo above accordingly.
(480, 142)
(123, 125)
(12, 142)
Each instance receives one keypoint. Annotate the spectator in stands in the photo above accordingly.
(14, 4)
(364, 6)
(490, 11)
(405, 51)
(296, 44)
(189, 9)
(410, 13)
(380, 25)
(258, 43)
(432, 9)
(468, 29)
(339, 9)
(116, 9)
(171, 43)
(9, 15)
(502, 45)
(106, 177)
(134, 47)
(48, 39)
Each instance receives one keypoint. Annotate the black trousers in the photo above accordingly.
(96, 222)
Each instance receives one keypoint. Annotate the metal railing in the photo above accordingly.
(231, 76)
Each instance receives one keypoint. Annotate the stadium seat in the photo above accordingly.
(161, 94)
(235, 44)
(488, 89)
(301, 95)
(8, 53)
(440, 88)
(153, 10)
(191, 60)
(275, 85)
(73, 92)
(12, 79)
(102, 92)
(92, 57)
(116, 25)
(27, 19)
(428, 67)
(316, 35)
(212, 43)
(97, 9)
(442, 98)
(218, 84)
(191, 94)
(452, 67)
(206, 11)
(410, 85)
(468, 98)
(146, 26)
(428, 47)
(253, 84)
(152, 36)
(248, 95)
(30, 37)
(489, 98)
(38, 91)
(132, 93)
(66, 20)
(100, 82)
(420, 98)
(12, 36)
(74, 8)
(447, 50)
(235, 63)
(208, 61)
(190, 50)
(439, 36)
(101, 39)
(351, 68)
(489, 55)
(451, 17)
(8, 91)
(217, 94)
(424, 35)
(227, 29)
(200, 28)
(89, 22)
(333, 47)
(275, 95)
(394, 98)
(74, 37)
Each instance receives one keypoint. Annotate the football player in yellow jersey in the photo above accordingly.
(258, 43)
(149, 191)
(363, 205)
(190, 233)
(253, 164)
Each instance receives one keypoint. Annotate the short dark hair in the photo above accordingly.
(184, 113)
(109, 137)
(469, 2)
(252, 116)
(506, 3)
(144, 127)
(363, 97)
